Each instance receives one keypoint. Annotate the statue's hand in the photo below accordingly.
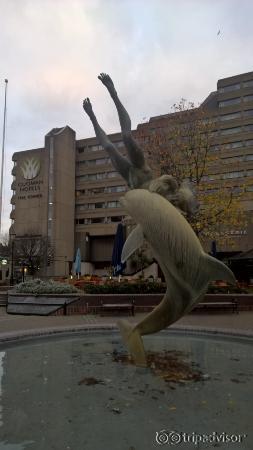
(87, 106)
(107, 81)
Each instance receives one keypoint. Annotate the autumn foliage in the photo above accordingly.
(184, 144)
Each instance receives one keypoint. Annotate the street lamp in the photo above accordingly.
(12, 237)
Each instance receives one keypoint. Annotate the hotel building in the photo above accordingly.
(69, 192)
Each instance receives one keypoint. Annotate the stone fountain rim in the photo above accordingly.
(21, 336)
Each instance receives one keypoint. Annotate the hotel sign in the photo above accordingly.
(30, 169)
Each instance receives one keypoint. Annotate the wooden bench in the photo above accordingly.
(117, 308)
(231, 305)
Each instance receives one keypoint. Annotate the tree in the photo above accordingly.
(184, 145)
(4, 245)
(33, 251)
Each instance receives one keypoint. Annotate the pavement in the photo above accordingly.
(18, 326)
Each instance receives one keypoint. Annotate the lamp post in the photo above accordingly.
(12, 236)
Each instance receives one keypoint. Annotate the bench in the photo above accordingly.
(117, 308)
(231, 305)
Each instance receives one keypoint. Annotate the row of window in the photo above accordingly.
(101, 190)
(224, 176)
(237, 159)
(236, 115)
(93, 162)
(97, 176)
(236, 86)
(238, 144)
(235, 101)
(234, 130)
(97, 205)
(91, 220)
(96, 147)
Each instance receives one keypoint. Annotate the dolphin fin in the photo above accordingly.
(133, 242)
(217, 270)
(133, 341)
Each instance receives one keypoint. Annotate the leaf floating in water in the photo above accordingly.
(235, 380)
(168, 365)
(90, 381)
(116, 411)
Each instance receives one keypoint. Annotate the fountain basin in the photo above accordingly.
(66, 392)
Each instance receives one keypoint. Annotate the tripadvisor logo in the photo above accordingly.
(30, 168)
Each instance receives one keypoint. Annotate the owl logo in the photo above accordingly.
(30, 168)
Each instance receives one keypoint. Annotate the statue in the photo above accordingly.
(135, 170)
(186, 267)
(158, 207)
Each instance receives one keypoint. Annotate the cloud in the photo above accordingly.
(156, 51)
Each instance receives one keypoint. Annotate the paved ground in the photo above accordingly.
(12, 325)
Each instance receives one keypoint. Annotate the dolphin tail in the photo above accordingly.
(133, 341)
(217, 270)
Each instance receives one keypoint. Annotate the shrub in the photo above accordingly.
(38, 286)
(214, 289)
(140, 287)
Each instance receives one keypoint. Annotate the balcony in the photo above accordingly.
(13, 185)
(13, 199)
(12, 214)
(14, 171)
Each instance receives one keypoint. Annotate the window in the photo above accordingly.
(115, 189)
(248, 128)
(112, 174)
(81, 207)
(113, 204)
(229, 102)
(230, 88)
(99, 205)
(98, 220)
(249, 142)
(81, 163)
(236, 144)
(81, 150)
(249, 188)
(248, 157)
(233, 175)
(235, 115)
(248, 113)
(96, 190)
(80, 192)
(101, 161)
(248, 98)
(95, 148)
(231, 130)
(119, 144)
(248, 83)
(116, 219)
(234, 159)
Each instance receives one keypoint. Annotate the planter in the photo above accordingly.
(42, 305)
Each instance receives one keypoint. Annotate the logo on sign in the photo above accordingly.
(30, 168)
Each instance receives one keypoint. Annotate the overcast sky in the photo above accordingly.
(156, 51)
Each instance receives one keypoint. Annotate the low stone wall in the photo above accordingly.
(42, 305)
(145, 302)
(74, 304)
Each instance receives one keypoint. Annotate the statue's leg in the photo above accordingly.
(120, 163)
(135, 153)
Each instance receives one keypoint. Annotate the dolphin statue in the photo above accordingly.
(186, 267)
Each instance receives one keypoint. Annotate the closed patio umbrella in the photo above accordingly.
(117, 265)
(77, 264)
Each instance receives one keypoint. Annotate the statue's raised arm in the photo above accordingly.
(135, 169)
